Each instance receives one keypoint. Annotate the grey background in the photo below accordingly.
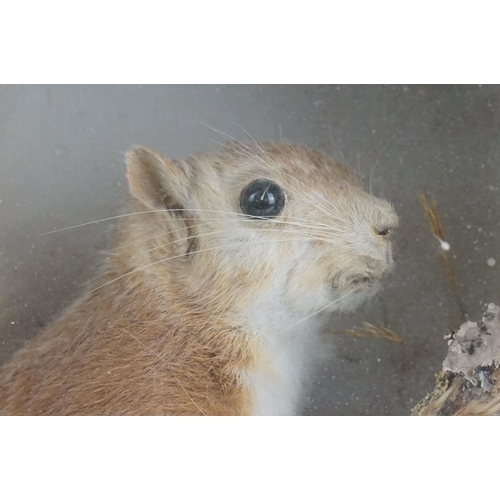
(61, 163)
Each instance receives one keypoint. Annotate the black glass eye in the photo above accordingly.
(262, 198)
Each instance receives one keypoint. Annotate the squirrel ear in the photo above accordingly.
(154, 180)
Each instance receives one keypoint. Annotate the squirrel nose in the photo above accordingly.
(361, 279)
(384, 232)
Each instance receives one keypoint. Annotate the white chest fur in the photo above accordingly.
(276, 385)
(288, 339)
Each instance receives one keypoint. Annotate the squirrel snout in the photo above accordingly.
(374, 271)
(385, 232)
(360, 280)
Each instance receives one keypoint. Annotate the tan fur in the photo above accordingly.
(170, 329)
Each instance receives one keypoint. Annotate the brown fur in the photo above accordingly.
(122, 350)
(163, 332)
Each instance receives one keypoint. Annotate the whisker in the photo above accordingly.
(224, 134)
(97, 221)
(163, 245)
(324, 235)
(314, 203)
(294, 179)
(251, 218)
(243, 145)
(317, 235)
(317, 312)
(246, 152)
(311, 225)
(271, 164)
(195, 252)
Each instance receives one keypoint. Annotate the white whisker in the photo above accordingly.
(323, 236)
(195, 252)
(317, 312)
(245, 217)
(309, 199)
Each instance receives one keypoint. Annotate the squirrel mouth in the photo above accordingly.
(362, 284)
(358, 282)
(361, 280)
